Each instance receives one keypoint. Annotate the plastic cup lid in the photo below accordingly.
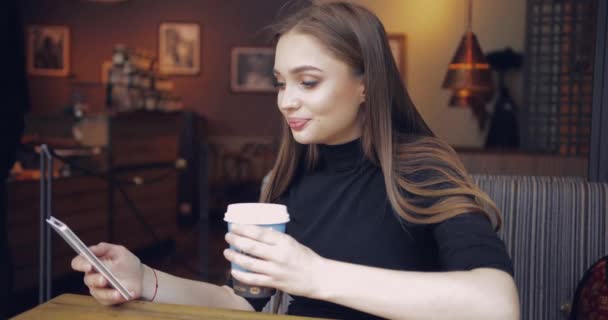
(256, 213)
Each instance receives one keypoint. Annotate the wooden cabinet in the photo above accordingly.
(143, 146)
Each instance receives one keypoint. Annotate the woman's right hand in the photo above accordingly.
(122, 263)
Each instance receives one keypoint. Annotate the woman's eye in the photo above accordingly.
(309, 84)
(278, 84)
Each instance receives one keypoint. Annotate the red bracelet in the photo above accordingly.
(156, 286)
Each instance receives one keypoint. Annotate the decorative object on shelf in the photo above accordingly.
(251, 69)
(469, 75)
(133, 83)
(48, 50)
(397, 43)
(504, 129)
(105, 71)
(179, 48)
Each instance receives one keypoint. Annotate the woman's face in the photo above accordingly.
(319, 96)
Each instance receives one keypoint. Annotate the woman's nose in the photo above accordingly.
(288, 100)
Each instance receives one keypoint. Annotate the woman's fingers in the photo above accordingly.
(120, 261)
(101, 249)
(277, 252)
(253, 279)
(261, 234)
(249, 246)
(250, 263)
(95, 280)
(106, 296)
(79, 263)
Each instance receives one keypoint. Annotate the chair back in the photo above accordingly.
(591, 296)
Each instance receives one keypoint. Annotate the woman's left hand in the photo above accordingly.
(277, 260)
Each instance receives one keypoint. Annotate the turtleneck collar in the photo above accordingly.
(342, 157)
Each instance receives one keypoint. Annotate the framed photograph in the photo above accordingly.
(251, 69)
(48, 50)
(397, 43)
(179, 48)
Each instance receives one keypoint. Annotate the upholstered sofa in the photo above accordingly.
(554, 229)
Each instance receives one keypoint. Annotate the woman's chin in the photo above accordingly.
(303, 138)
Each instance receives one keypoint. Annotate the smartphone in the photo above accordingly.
(66, 233)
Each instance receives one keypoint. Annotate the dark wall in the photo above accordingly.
(95, 28)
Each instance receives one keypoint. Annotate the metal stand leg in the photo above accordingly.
(46, 189)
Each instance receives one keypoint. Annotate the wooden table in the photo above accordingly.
(71, 306)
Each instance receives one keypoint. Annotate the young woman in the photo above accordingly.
(385, 221)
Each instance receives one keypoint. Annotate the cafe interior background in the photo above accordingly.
(158, 114)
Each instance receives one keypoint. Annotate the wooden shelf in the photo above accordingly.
(518, 163)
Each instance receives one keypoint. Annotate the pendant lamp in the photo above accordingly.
(469, 75)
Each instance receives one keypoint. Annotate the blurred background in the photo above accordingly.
(160, 113)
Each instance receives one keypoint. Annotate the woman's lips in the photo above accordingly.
(297, 124)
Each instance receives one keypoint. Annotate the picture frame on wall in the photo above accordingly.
(179, 48)
(48, 50)
(251, 69)
(397, 43)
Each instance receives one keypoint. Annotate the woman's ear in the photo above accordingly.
(361, 92)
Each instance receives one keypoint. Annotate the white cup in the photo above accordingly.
(266, 215)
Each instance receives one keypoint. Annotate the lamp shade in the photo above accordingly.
(469, 69)
(469, 75)
(467, 97)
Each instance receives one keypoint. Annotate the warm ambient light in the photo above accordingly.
(469, 68)
(469, 76)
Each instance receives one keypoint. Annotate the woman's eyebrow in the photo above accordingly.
(299, 69)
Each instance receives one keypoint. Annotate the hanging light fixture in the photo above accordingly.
(469, 75)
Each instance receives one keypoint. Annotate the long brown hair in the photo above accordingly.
(424, 178)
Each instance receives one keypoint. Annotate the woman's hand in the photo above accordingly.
(276, 261)
(121, 262)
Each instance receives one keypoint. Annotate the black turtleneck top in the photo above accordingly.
(341, 211)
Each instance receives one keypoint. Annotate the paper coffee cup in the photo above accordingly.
(267, 215)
